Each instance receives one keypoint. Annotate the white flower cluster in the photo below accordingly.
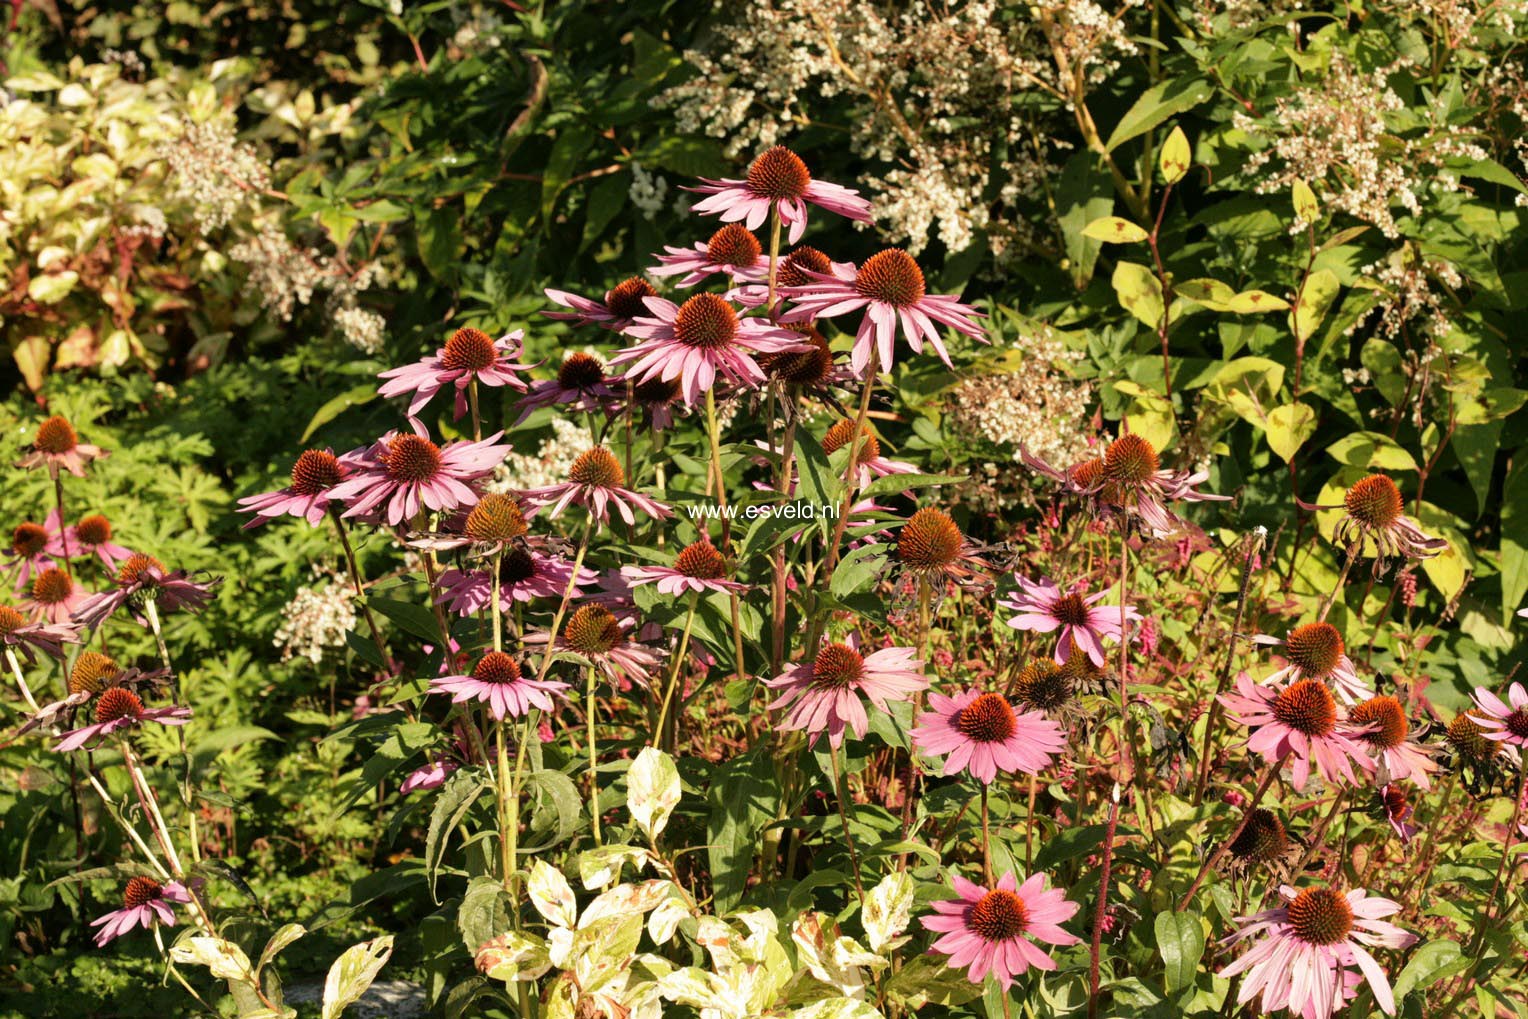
(282, 275)
(1406, 281)
(317, 618)
(1039, 406)
(549, 466)
(214, 171)
(648, 191)
(1332, 134)
(362, 329)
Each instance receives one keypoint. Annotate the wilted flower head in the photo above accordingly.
(1305, 951)
(620, 307)
(116, 709)
(470, 355)
(1263, 842)
(823, 695)
(889, 286)
(595, 633)
(1374, 510)
(57, 446)
(1000, 930)
(141, 577)
(778, 180)
(19, 633)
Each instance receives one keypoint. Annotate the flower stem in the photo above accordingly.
(1269, 774)
(841, 794)
(1254, 545)
(1342, 578)
(673, 678)
(590, 713)
(360, 591)
(567, 596)
(721, 501)
(986, 841)
(1101, 910)
(21, 680)
(477, 417)
(151, 609)
(63, 530)
(851, 475)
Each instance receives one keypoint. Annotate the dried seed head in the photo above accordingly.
(705, 322)
(315, 472)
(930, 540)
(779, 174)
(842, 432)
(1320, 916)
(28, 540)
(1130, 460)
(988, 719)
(470, 350)
(837, 667)
(656, 392)
(1386, 714)
(891, 277)
(803, 367)
(734, 245)
(1045, 685)
(1374, 502)
(1263, 840)
(625, 299)
(1316, 648)
(1468, 739)
(55, 435)
(496, 518)
(999, 916)
(91, 671)
(1306, 706)
(118, 702)
(701, 561)
(597, 468)
(593, 630)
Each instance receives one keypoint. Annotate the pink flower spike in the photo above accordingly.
(496, 681)
(145, 903)
(982, 734)
(999, 931)
(699, 340)
(470, 355)
(405, 473)
(823, 695)
(890, 288)
(778, 179)
(118, 708)
(1309, 955)
(1074, 618)
(1301, 722)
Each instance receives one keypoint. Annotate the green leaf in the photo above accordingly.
(571, 144)
(652, 791)
(280, 940)
(744, 797)
(893, 484)
(1083, 194)
(456, 798)
(1176, 156)
(1180, 942)
(1312, 302)
(1139, 292)
(1514, 535)
(1114, 230)
(1307, 209)
(439, 237)
(416, 619)
(1429, 964)
(1212, 294)
(1157, 104)
(352, 973)
(1491, 170)
(1371, 451)
(1288, 427)
(337, 406)
(1255, 302)
(858, 570)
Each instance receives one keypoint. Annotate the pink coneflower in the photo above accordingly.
(1396, 807)
(580, 386)
(91, 536)
(524, 575)
(1301, 721)
(890, 287)
(699, 567)
(54, 596)
(431, 776)
(143, 576)
(1000, 930)
(495, 525)
(790, 271)
(594, 633)
(869, 464)
(732, 251)
(1129, 479)
(657, 396)
(1307, 950)
(1374, 510)
(145, 903)
(404, 473)
(982, 734)
(17, 632)
(315, 475)
(779, 180)
(698, 340)
(1077, 620)
(469, 355)
(29, 550)
(1501, 722)
(1380, 723)
(57, 447)
(596, 481)
(1316, 651)
(823, 695)
(622, 304)
(931, 547)
(496, 681)
(118, 708)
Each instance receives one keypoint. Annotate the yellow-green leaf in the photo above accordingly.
(1306, 206)
(1114, 230)
(1176, 157)
(1138, 292)
(1251, 302)
(1212, 294)
(1311, 305)
(1288, 427)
